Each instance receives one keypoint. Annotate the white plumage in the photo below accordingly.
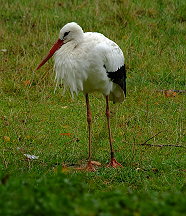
(88, 62)
(79, 63)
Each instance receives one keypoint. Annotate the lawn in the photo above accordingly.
(148, 127)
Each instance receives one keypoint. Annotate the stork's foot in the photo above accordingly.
(90, 167)
(113, 163)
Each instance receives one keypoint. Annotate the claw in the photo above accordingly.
(89, 167)
(113, 163)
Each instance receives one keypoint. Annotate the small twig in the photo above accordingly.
(159, 145)
(150, 138)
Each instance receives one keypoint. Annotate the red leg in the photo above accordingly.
(90, 164)
(89, 121)
(113, 162)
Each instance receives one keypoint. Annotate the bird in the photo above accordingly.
(88, 62)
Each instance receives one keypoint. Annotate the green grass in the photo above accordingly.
(152, 182)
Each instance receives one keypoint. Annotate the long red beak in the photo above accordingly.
(55, 47)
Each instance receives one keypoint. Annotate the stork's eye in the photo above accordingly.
(66, 33)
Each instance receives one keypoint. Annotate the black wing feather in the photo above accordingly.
(119, 77)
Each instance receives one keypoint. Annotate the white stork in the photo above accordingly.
(88, 62)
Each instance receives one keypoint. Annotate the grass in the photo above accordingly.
(152, 182)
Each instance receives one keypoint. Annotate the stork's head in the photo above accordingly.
(70, 32)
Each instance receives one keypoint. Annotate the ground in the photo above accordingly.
(36, 121)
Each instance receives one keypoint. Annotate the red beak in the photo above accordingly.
(55, 47)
